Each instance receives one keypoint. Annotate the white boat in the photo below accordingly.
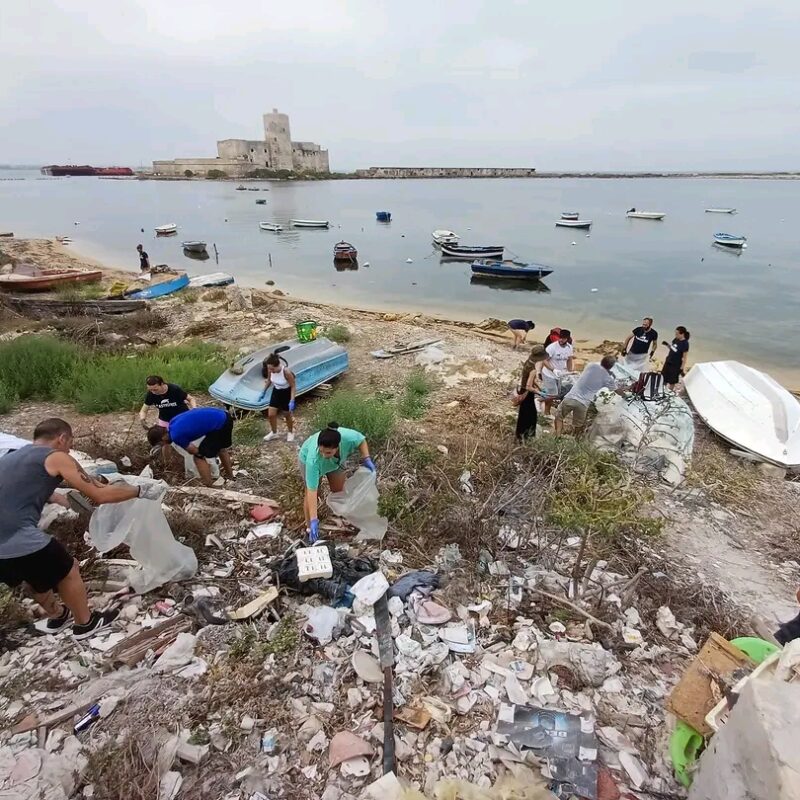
(747, 408)
(573, 223)
(730, 240)
(270, 226)
(164, 230)
(720, 211)
(445, 237)
(194, 246)
(211, 279)
(309, 223)
(569, 215)
(634, 214)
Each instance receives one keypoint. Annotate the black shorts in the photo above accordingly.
(42, 570)
(280, 398)
(671, 373)
(215, 441)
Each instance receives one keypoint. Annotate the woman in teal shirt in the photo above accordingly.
(324, 453)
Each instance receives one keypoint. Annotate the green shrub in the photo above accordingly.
(188, 173)
(418, 455)
(414, 401)
(249, 430)
(7, 399)
(373, 417)
(214, 174)
(33, 367)
(392, 501)
(337, 333)
(77, 292)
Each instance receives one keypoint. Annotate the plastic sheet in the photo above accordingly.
(358, 504)
(141, 525)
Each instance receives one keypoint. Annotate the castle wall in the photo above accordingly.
(446, 172)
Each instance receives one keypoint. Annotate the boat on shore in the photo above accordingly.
(313, 363)
(344, 251)
(444, 237)
(570, 215)
(720, 211)
(508, 269)
(730, 240)
(470, 252)
(747, 408)
(573, 223)
(161, 289)
(211, 279)
(310, 223)
(46, 308)
(194, 246)
(383, 216)
(270, 226)
(166, 230)
(42, 280)
(634, 214)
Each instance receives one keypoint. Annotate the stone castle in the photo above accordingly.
(237, 158)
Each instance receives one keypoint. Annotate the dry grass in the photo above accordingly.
(203, 327)
(124, 769)
(722, 477)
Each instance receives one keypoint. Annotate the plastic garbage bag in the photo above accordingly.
(141, 525)
(188, 462)
(358, 504)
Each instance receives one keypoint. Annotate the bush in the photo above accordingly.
(337, 333)
(7, 399)
(77, 292)
(188, 173)
(369, 415)
(414, 402)
(33, 367)
(214, 174)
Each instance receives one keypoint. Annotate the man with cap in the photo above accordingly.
(559, 361)
(640, 342)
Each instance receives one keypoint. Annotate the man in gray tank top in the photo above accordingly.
(28, 478)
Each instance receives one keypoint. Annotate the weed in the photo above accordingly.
(414, 401)
(203, 327)
(75, 293)
(12, 612)
(123, 767)
(248, 431)
(8, 399)
(418, 455)
(189, 297)
(33, 367)
(337, 333)
(722, 477)
(369, 415)
(392, 501)
(214, 295)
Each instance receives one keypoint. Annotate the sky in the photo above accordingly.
(581, 85)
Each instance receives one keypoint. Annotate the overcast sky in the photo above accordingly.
(584, 84)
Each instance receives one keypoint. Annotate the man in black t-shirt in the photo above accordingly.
(144, 259)
(168, 398)
(640, 345)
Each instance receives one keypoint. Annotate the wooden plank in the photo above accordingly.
(256, 606)
(222, 494)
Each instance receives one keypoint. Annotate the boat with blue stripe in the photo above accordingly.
(512, 270)
(161, 289)
(730, 240)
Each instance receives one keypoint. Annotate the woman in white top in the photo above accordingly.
(282, 400)
(558, 361)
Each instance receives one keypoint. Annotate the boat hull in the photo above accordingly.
(166, 230)
(383, 216)
(720, 211)
(71, 308)
(211, 279)
(509, 270)
(574, 223)
(470, 253)
(747, 408)
(47, 280)
(570, 215)
(657, 215)
(310, 223)
(270, 226)
(161, 289)
(441, 237)
(727, 240)
(194, 247)
(312, 363)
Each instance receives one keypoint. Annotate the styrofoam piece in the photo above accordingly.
(313, 562)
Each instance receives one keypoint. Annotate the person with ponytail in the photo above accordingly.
(675, 362)
(277, 374)
(525, 396)
(325, 453)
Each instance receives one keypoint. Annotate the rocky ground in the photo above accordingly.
(257, 708)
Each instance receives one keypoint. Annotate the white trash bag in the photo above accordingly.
(141, 525)
(189, 467)
(358, 504)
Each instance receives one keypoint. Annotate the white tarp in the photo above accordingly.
(358, 504)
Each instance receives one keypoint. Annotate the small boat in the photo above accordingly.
(313, 363)
(241, 188)
(253, 189)
(42, 280)
(748, 408)
(7, 234)
(63, 239)
(211, 279)
(730, 240)
(310, 223)
(38, 307)
(270, 226)
(730, 251)
(720, 211)
(569, 215)
(261, 201)
(513, 270)
(634, 214)
(344, 251)
(194, 246)
(573, 223)
(471, 251)
(160, 289)
(166, 230)
(444, 237)
(383, 216)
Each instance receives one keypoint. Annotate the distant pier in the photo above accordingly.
(446, 172)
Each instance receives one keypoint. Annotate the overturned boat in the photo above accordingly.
(313, 363)
(748, 408)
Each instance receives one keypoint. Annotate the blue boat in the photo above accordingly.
(161, 289)
(313, 363)
(514, 270)
(383, 216)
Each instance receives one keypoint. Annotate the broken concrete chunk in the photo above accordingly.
(591, 663)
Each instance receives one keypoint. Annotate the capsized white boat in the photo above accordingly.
(210, 279)
(270, 226)
(634, 214)
(163, 230)
(748, 408)
(310, 223)
(573, 223)
(441, 236)
(720, 211)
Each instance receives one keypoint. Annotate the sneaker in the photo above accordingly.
(290, 437)
(59, 623)
(97, 622)
(270, 436)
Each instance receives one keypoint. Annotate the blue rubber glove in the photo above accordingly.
(263, 394)
(292, 405)
(369, 464)
(313, 533)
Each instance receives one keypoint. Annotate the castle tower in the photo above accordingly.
(279, 139)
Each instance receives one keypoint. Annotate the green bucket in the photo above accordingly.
(306, 330)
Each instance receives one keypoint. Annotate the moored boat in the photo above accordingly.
(720, 211)
(211, 279)
(513, 270)
(748, 408)
(310, 223)
(42, 280)
(344, 251)
(270, 226)
(444, 237)
(194, 246)
(570, 215)
(472, 251)
(166, 230)
(261, 201)
(313, 363)
(730, 240)
(634, 214)
(383, 216)
(573, 223)
(160, 289)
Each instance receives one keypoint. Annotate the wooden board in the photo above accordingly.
(694, 696)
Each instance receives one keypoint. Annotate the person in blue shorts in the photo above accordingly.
(520, 328)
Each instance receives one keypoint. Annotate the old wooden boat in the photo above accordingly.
(161, 289)
(42, 280)
(45, 307)
(470, 252)
(344, 251)
(730, 240)
(511, 270)
(313, 363)
(573, 223)
(310, 223)
(166, 230)
(194, 246)
(270, 226)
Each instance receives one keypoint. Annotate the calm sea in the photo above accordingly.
(736, 305)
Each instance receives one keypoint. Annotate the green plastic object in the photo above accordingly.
(758, 649)
(306, 330)
(685, 746)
